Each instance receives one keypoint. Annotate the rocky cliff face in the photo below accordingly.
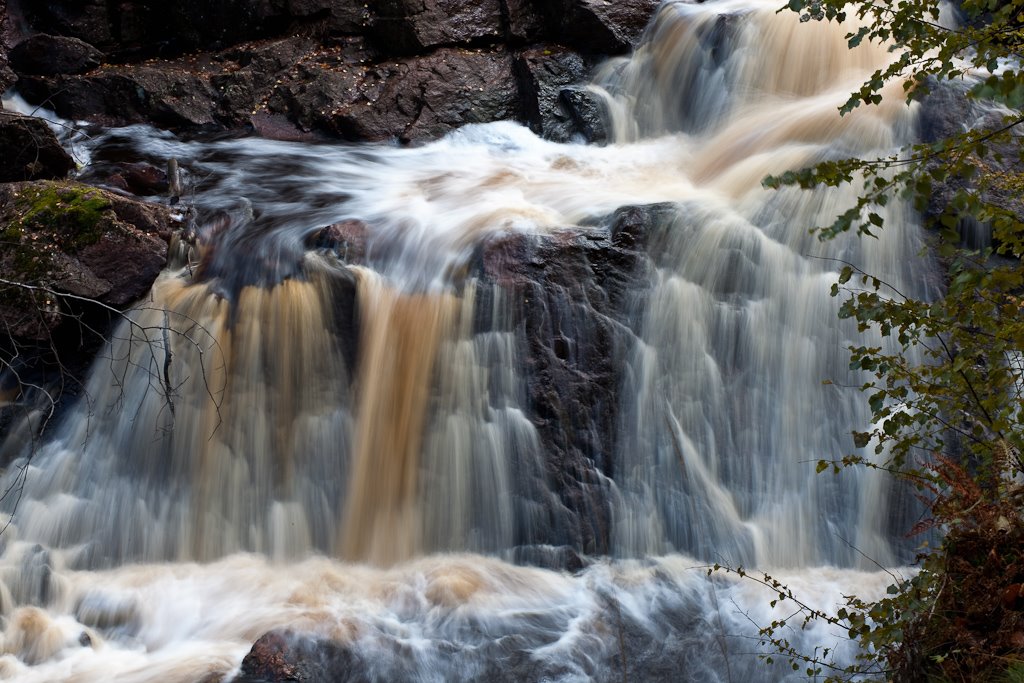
(399, 70)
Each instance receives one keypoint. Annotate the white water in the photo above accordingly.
(278, 454)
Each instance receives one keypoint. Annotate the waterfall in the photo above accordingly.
(739, 331)
(349, 432)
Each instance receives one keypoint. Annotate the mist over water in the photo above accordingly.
(242, 463)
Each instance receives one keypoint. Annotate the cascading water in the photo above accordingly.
(295, 406)
(740, 329)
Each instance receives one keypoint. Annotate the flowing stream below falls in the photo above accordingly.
(336, 434)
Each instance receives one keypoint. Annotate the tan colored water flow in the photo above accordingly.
(214, 404)
(400, 337)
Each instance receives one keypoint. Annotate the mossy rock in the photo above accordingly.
(69, 238)
(74, 215)
(46, 222)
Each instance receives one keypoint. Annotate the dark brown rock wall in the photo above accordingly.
(406, 70)
(415, 26)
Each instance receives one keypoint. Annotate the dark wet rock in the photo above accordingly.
(29, 150)
(281, 656)
(574, 291)
(412, 100)
(524, 22)
(279, 127)
(140, 179)
(145, 29)
(346, 17)
(7, 75)
(105, 98)
(88, 20)
(45, 55)
(406, 70)
(552, 106)
(588, 113)
(435, 95)
(67, 238)
(175, 99)
(310, 94)
(414, 26)
(211, 91)
(600, 26)
(346, 239)
(947, 111)
(454, 66)
(293, 88)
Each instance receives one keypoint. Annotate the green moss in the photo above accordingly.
(48, 218)
(74, 216)
(11, 233)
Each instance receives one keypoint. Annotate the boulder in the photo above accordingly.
(425, 97)
(524, 22)
(599, 26)
(67, 238)
(347, 239)
(552, 106)
(139, 178)
(29, 150)
(588, 112)
(411, 100)
(45, 55)
(414, 26)
(281, 656)
(88, 20)
(70, 256)
(344, 17)
(7, 75)
(108, 97)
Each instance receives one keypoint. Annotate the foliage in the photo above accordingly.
(946, 383)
